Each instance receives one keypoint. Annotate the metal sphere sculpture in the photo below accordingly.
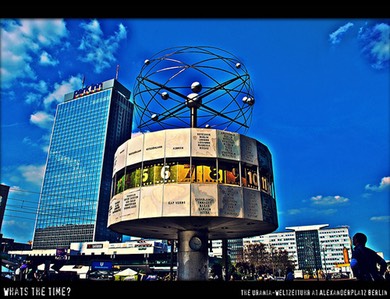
(193, 87)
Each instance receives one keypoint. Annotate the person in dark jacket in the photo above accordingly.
(289, 274)
(365, 261)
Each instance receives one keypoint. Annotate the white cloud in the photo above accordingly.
(380, 218)
(335, 37)
(40, 86)
(33, 97)
(42, 119)
(384, 184)
(328, 200)
(98, 50)
(19, 230)
(328, 211)
(22, 41)
(60, 89)
(15, 57)
(32, 173)
(375, 42)
(45, 32)
(43, 142)
(294, 212)
(28, 141)
(311, 211)
(47, 59)
(14, 189)
(45, 139)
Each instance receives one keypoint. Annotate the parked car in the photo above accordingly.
(100, 275)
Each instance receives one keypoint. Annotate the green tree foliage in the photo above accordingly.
(259, 259)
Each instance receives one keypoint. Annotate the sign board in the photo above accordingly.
(120, 158)
(134, 150)
(115, 209)
(230, 201)
(88, 90)
(204, 200)
(248, 150)
(130, 206)
(176, 200)
(177, 143)
(252, 204)
(154, 145)
(228, 145)
(101, 265)
(204, 143)
(151, 201)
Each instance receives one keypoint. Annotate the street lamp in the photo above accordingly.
(326, 271)
(315, 260)
(272, 258)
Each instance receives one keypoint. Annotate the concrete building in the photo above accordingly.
(312, 247)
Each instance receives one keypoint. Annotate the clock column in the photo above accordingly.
(192, 255)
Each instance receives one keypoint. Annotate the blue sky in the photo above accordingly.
(322, 105)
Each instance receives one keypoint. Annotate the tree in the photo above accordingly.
(260, 259)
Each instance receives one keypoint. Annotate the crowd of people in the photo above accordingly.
(27, 271)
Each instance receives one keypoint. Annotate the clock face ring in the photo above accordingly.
(175, 81)
(195, 243)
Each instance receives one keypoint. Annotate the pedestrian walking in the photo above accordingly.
(365, 261)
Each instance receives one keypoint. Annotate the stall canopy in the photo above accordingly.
(126, 272)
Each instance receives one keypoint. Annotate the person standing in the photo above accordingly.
(22, 271)
(31, 271)
(365, 261)
(289, 274)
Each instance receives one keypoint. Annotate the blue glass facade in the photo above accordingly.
(89, 126)
(308, 250)
(235, 249)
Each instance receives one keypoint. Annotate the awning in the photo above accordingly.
(9, 264)
(41, 267)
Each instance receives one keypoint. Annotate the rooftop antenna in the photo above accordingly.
(117, 71)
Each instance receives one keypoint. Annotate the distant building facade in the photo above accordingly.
(88, 128)
(103, 249)
(4, 190)
(234, 249)
(312, 247)
(8, 244)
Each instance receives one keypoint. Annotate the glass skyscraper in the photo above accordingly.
(89, 126)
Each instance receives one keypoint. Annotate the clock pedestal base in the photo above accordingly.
(192, 256)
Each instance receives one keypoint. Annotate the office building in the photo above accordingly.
(234, 249)
(4, 190)
(88, 128)
(311, 247)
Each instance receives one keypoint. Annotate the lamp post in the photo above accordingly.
(326, 271)
(271, 249)
(315, 260)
